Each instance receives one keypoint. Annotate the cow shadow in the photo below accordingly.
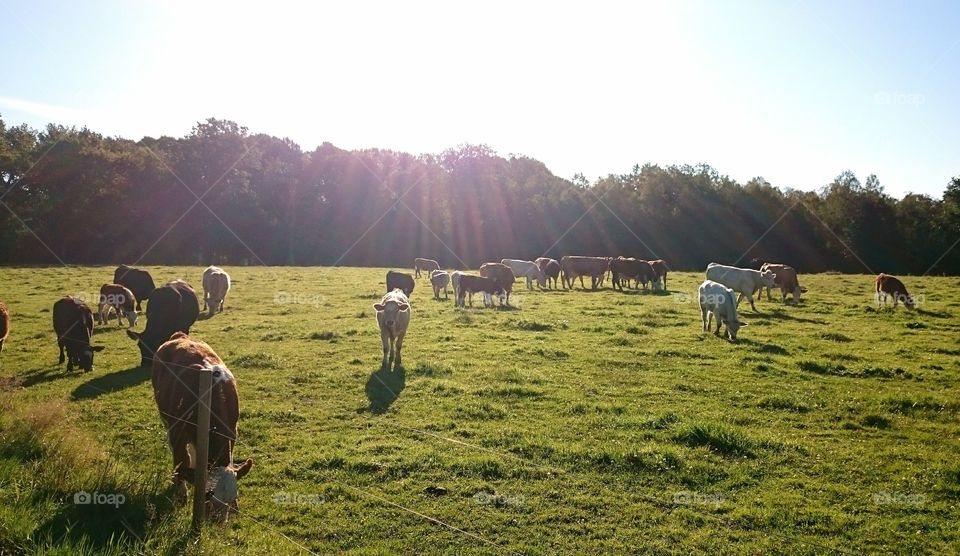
(49, 374)
(384, 387)
(107, 328)
(780, 314)
(761, 347)
(113, 382)
(935, 314)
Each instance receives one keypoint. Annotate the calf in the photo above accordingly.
(176, 388)
(136, 280)
(393, 316)
(716, 300)
(121, 300)
(528, 269)
(4, 324)
(426, 265)
(216, 284)
(552, 271)
(572, 267)
(785, 278)
(660, 268)
(400, 280)
(470, 284)
(501, 274)
(73, 323)
(440, 279)
(744, 281)
(889, 285)
(173, 308)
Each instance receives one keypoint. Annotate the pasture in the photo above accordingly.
(575, 422)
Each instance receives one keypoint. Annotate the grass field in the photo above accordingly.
(577, 422)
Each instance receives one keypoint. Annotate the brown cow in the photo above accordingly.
(121, 300)
(786, 280)
(889, 285)
(176, 382)
(73, 323)
(4, 324)
(501, 274)
(470, 284)
(574, 267)
(427, 265)
(660, 268)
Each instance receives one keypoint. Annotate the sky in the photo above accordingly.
(795, 91)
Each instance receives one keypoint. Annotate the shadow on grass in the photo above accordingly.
(40, 376)
(384, 387)
(112, 382)
(760, 347)
(935, 314)
(780, 314)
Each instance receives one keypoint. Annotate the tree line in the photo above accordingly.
(223, 195)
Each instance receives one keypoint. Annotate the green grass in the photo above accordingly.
(576, 423)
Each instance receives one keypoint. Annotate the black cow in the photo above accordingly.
(400, 280)
(139, 282)
(73, 323)
(173, 307)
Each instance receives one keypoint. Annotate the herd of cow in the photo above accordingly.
(175, 358)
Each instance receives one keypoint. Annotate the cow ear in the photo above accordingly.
(378, 306)
(244, 468)
(97, 348)
(404, 307)
(133, 335)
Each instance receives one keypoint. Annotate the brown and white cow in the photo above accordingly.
(4, 323)
(73, 323)
(889, 285)
(468, 284)
(573, 267)
(176, 382)
(786, 279)
(120, 299)
(501, 274)
(426, 265)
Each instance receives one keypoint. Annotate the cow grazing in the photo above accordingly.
(502, 275)
(552, 270)
(716, 300)
(528, 269)
(624, 269)
(744, 281)
(4, 323)
(176, 386)
(400, 280)
(73, 323)
(785, 278)
(470, 284)
(425, 265)
(121, 300)
(660, 268)
(440, 279)
(889, 285)
(393, 317)
(573, 267)
(216, 284)
(173, 308)
(137, 281)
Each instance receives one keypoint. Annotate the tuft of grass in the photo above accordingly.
(258, 360)
(718, 438)
(876, 421)
(530, 325)
(326, 335)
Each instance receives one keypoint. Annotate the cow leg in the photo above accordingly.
(119, 318)
(739, 298)
(60, 343)
(205, 296)
(719, 322)
(396, 361)
(182, 470)
(752, 306)
(705, 319)
(385, 339)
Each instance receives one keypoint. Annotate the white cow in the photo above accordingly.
(216, 284)
(393, 316)
(529, 269)
(455, 282)
(439, 279)
(716, 300)
(744, 281)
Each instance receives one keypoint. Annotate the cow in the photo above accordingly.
(172, 308)
(785, 279)
(889, 285)
(744, 281)
(216, 284)
(716, 300)
(400, 280)
(470, 284)
(393, 317)
(501, 274)
(455, 282)
(440, 279)
(4, 323)
(121, 299)
(660, 268)
(624, 269)
(527, 269)
(176, 387)
(426, 265)
(573, 267)
(136, 280)
(552, 270)
(542, 263)
(73, 323)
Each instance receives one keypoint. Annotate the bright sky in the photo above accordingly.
(794, 91)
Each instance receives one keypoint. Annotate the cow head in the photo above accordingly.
(86, 357)
(767, 277)
(132, 318)
(732, 328)
(147, 345)
(222, 490)
(908, 301)
(388, 312)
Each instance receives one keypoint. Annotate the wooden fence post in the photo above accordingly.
(203, 448)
